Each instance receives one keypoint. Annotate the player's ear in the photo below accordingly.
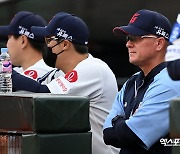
(160, 43)
(24, 41)
(66, 44)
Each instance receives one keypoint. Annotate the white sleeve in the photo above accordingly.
(59, 86)
(79, 82)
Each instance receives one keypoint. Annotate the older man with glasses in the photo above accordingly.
(139, 118)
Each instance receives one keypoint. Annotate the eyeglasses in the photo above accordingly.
(48, 40)
(137, 38)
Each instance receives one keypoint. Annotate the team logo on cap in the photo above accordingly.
(160, 31)
(24, 31)
(62, 33)
(134, 17)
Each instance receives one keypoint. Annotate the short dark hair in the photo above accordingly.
(80, 48)
(40, 46)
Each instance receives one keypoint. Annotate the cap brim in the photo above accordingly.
(4, 31)
(129, 30)
(40, 31)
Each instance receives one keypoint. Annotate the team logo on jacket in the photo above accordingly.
(71, 76)
(31, 73)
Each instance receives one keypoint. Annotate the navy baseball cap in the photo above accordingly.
(65, 26)
(21, 25)
(145, 22)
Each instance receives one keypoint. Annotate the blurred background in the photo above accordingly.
(101, 16)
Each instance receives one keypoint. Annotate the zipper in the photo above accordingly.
(137, 88)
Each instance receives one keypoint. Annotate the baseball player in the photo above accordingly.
(24, 47)
(139, 119)
(67, 36)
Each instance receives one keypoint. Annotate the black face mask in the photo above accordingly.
(49, 57)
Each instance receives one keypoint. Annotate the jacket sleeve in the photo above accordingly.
(120, 135)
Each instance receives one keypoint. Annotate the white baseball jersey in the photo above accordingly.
(35, 71)
(93, 78)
